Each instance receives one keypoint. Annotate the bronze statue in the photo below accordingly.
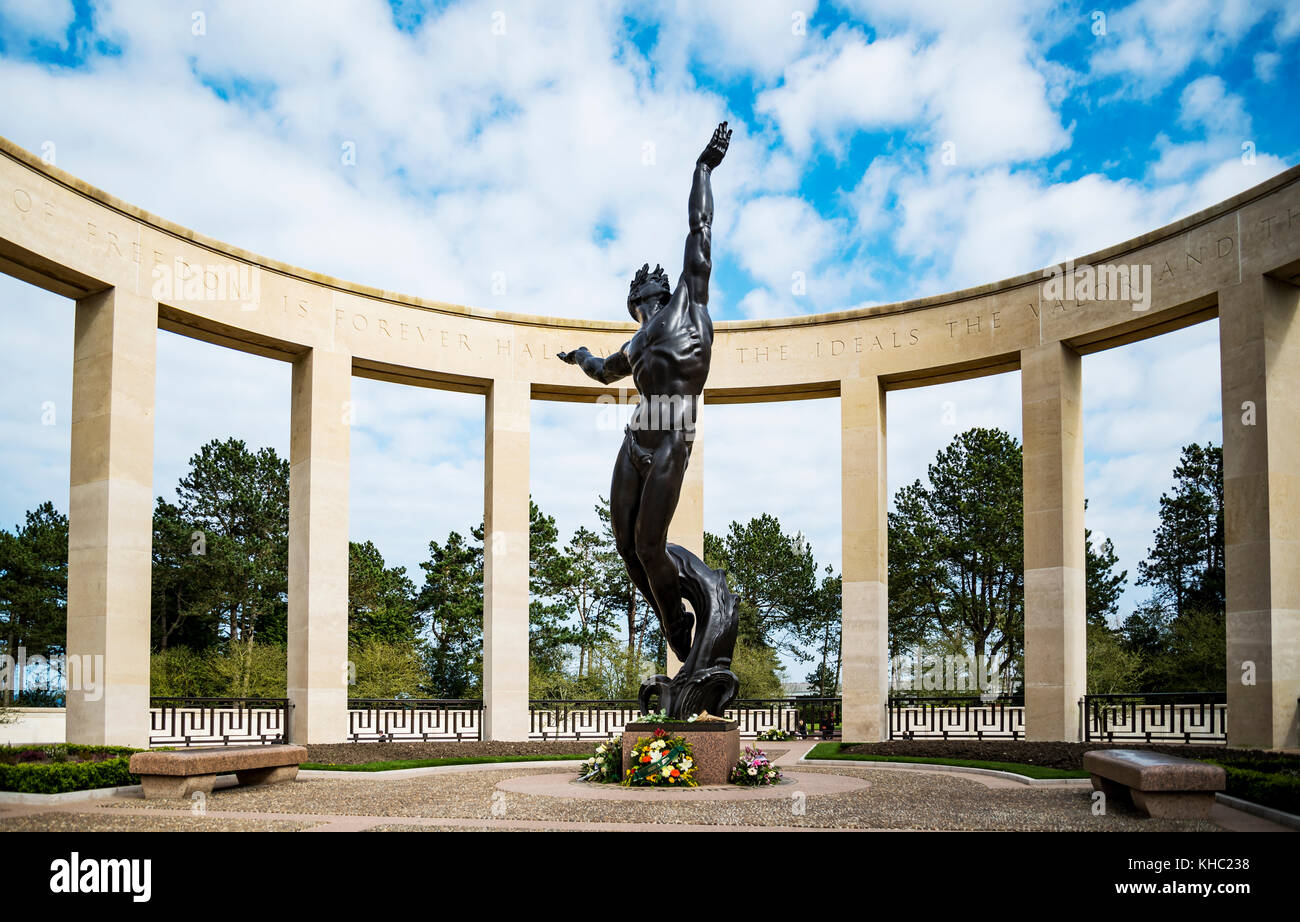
(668, 360)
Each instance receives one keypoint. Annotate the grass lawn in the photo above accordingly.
(399, 764)
(832, 751)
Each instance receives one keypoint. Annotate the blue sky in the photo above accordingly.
(883, 149)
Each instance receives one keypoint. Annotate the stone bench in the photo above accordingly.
(180, 773)
(1157, 784)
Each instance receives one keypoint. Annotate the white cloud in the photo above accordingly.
(1142, 403)
(850, 85)
(779, 458)
(785, 244)
(970, 80)
(921, 421)
(36, 401)
(733, 37)
(1266, 64)
(1224, 159)
(966, 228)
(1206, 103)
(1150, 43)
(47, 19)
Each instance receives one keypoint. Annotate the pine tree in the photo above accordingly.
(34, 586)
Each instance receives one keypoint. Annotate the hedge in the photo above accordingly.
(1271, 783)
(61, 777)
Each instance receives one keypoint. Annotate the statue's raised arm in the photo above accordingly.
(698, 262)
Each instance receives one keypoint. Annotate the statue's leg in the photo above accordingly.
(659, 497)
(624, 500)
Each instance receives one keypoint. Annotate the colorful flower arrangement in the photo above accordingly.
(661, 761)
(606, 765)
(754, 768)
(775, 736)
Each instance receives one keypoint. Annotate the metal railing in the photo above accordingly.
(806, 715)
(579, 719)
(1171, 717)
(217, 721)
(226, 721)
(945, 717)
(390, 720)
(575, 719)
(1186, 717)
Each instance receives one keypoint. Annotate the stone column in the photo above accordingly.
(1055, 612)
(865, 527)
(1259, 345)
(687, 526)
(318, 547)
(505, 562)
(110, 519)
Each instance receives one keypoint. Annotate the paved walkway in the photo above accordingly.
(879, 796)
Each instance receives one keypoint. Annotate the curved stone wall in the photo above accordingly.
(132, 272)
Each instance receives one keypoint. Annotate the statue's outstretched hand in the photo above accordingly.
(571, 357)
(717, 148)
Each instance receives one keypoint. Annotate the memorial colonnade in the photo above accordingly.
(132, 273)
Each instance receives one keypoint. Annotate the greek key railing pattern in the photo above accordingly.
(580, 720)
(217, 721)
(229, 721)
(388, 720)
(1187, 717)
(1168, 717)
(955, 717)
(807, 717)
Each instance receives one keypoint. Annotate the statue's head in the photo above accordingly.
(649, 292)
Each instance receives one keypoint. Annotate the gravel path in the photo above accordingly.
(107, 822)
(895, 800)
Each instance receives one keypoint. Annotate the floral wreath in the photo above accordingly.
(661, 761)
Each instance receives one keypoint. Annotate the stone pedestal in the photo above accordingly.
(715, 746)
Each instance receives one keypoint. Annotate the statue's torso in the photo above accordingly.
(670, 358)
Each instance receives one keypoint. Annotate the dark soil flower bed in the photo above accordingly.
(358, 753)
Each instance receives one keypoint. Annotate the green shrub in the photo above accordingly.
(256, 671)
(386, 670)
(1264, 780)
(242, 671)
(179, 672)
(61, 777)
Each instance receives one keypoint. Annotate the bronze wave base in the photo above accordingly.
(705, 682)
